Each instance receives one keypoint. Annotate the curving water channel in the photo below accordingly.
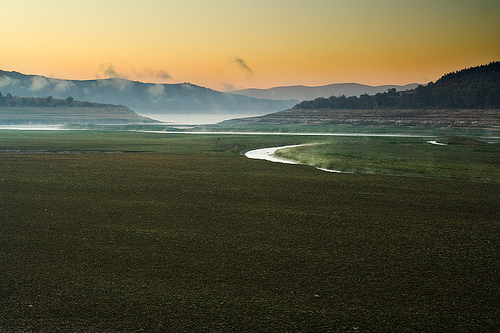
(268, 154)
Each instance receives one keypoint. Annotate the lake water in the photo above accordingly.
(268, 154)
(167, 119)
(195, 119)
(32, 127)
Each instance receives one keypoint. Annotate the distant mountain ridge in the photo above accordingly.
(300, 92)
(141, 97)
(469, 98)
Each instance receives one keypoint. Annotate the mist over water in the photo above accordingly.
(166, 119)
(195, 119)
(32, 127)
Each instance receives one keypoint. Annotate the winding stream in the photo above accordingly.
(268, 154)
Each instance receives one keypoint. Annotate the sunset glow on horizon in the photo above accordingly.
(226, 45)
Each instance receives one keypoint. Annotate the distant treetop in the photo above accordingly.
(48, 101)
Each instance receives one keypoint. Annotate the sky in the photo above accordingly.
(233, 44)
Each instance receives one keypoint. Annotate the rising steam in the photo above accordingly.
(109, 70)
(243, 65)
(38, 83)
(155, 73)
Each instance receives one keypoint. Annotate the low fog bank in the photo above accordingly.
(32, 127)
(195, 119)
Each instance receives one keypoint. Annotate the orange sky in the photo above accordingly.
(224, 44)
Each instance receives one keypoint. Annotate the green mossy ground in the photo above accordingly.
(455, 157)
(182, 233)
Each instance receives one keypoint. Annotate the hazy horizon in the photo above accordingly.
(226, 45)
(194, 83)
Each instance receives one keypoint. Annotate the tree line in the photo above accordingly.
(471, 88)
(13, 101)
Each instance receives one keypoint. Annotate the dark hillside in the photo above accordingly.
(476, 87)
(471, 88)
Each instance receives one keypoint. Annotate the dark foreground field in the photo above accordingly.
(125, 232)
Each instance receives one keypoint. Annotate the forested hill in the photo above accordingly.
(49, 111)
(51, 102)
(471, 88)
